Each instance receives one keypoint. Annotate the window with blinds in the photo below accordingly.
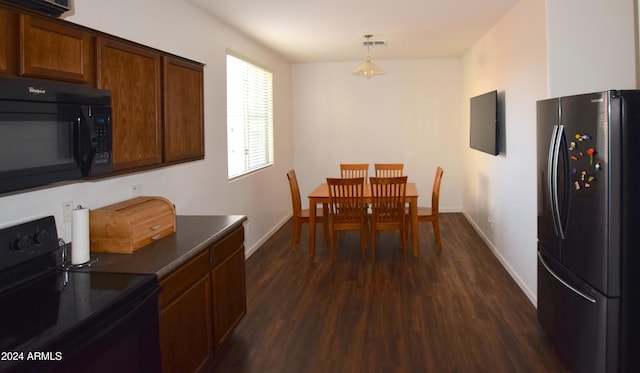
(249, 117)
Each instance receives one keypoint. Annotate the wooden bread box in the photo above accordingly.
(127, 226)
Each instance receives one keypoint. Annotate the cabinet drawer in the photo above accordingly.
(130, 225)
(178, 281)
(226, 247)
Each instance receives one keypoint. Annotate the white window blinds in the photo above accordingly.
(249, 117)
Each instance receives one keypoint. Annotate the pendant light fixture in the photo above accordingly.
(369, 69)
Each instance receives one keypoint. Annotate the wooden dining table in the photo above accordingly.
(320, 195)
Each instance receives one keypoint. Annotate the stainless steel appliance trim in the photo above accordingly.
(555, 203)
(583, 295)
(550, 173)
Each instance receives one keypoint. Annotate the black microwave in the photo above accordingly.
(52, 132)
(51, 7)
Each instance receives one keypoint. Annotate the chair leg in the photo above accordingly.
(325, 231)
(325, 223)
(297, 227)
(436, 232)
(404, 243)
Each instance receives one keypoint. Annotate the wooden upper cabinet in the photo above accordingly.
(50, 49)
(132, 73)
(183, 110)
(157, 98)
(3, 40)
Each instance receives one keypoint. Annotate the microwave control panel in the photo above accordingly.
(102, 126)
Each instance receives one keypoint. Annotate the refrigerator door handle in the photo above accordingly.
(556, 203)
(583, 295)
(550, 178)
(552, 171)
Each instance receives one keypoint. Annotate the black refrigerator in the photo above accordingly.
(588, 174)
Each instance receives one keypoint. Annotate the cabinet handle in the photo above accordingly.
(155, 227)
(155, 237)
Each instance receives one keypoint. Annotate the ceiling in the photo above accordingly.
(332, 30)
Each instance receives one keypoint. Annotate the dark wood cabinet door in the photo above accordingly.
(49, 49)
(229, 295)
(184, 110)
(186, 337)
(4, 48)
(132, 74)
(185, 330)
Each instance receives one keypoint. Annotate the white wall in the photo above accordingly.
(538, 50)
(591, 46)
(199, 187)
(510, 58)
(411, 115)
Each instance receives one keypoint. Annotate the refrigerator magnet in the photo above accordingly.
(591, 152)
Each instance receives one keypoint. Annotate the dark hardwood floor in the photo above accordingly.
(452, 311)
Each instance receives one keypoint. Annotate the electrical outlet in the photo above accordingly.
(66, 211)
(136, 190)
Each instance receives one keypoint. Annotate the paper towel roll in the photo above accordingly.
(80, 245)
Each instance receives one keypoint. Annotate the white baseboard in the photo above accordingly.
(512, 272)
(250, 250)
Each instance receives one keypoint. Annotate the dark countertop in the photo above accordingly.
(193, 234)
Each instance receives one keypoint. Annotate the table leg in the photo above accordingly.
(312, 227)
(414, 225)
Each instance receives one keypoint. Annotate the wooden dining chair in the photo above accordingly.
(388, 208)
(388, 169)
(346, 210)
(300, 215)
(430, 214)
(350, 170)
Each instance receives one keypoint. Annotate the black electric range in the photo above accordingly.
(52, 319)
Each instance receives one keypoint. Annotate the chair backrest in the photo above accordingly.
(388, 199)
(351, 170)
(435, 195)
(388, 169)
(295, 192)
(346, 200)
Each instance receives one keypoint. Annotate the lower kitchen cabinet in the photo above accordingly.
(3, 40)
(186, 341)
(201, 303)
(228, 285)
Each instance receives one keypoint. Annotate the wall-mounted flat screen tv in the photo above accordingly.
(483, 134)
